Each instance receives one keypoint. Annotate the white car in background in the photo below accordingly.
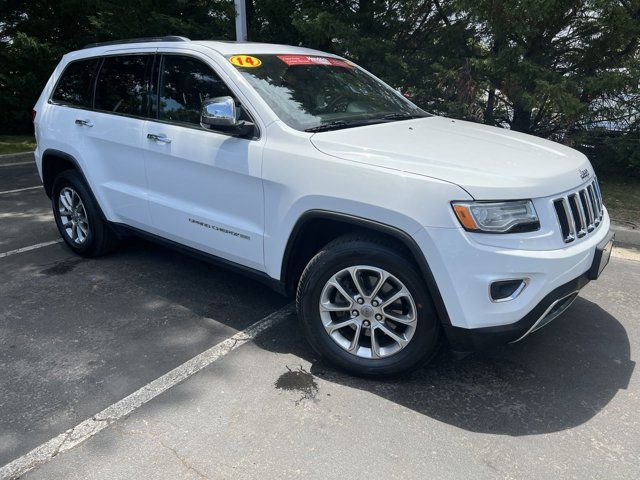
(395, 229)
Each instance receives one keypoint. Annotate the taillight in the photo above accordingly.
(33, 115)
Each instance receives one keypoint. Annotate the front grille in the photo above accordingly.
(579, 213)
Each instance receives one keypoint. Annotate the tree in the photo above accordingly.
(407, 43)
(551, 66)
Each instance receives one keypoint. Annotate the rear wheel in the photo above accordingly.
(78, 217)
(365, 308)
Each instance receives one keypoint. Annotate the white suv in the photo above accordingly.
(395, 228)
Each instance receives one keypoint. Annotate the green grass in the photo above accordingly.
(17, 143)
(621, 196)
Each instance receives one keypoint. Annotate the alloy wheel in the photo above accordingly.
(73, 215)
(368, 312)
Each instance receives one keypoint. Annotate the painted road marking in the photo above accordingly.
(91, 426)
(20, 190)
(28, 249)
(17, 154)
(32, 162)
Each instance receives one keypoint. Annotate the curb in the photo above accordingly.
(626, 236)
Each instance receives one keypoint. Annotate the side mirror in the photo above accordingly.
(219, 112)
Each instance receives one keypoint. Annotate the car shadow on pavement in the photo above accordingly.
(556, 379)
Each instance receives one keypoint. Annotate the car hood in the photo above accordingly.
(490, 163)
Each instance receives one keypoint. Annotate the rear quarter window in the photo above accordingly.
(75, 87)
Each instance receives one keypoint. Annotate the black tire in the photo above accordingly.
(100, 239)
(351, 250)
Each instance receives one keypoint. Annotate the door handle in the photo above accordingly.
(84, 123)
(158, 137)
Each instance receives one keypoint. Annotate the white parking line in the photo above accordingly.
(29, 248)
(91, 426)
(4, 155)
(20, 189)
(32, 162)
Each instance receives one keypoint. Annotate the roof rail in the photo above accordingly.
(168, 38)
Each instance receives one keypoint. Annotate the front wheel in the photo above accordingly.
(365, 308)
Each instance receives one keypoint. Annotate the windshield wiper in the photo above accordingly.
(325, 127)
(401, 116)
(338, 124)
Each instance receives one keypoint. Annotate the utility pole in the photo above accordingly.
(241, 20)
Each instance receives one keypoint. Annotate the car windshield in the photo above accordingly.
(316, 94)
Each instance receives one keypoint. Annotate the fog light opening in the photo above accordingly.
(506, 290)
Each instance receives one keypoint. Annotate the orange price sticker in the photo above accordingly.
(246, 61)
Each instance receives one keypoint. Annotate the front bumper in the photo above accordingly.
(471, 339)
(464, 268)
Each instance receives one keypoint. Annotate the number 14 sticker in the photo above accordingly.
(246, 61)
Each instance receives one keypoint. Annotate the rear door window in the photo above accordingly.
(75, 87)
(123, 85)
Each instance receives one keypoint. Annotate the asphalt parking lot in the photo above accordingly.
(78, 336)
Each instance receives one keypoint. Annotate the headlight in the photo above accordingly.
(497, 217)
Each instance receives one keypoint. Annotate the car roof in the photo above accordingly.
(238, 48)
(225, 48)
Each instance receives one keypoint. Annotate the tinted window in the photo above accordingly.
(122, 85)
(187, 82)
(75, 84)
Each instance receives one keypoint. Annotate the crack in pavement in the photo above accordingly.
(158, 439)
(183, 461)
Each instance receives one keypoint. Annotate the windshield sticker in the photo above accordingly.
(311, 60)
(246, 61)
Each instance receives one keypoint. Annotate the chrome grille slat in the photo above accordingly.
(598, 198)
(587, 207)
(565, 217)
(580, 212)
(570, 221)
(597, 187)
(594, 206)
(582, 228)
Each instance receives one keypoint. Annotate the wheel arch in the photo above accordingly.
(55, 162)
(315, 228)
